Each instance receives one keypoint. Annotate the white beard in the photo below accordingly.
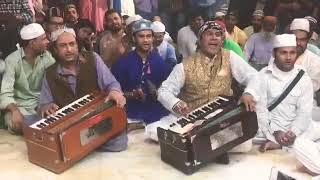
(268, 35)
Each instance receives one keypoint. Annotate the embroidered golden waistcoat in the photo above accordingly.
(204, 80)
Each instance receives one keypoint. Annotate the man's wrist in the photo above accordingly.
(12, 107)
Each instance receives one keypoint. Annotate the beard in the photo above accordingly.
(268, 35)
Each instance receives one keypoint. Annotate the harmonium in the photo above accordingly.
(60, 140)
(206, 134)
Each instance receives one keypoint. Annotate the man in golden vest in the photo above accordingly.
(201, 77)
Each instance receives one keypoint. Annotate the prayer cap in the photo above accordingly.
(31, 31)
(219, 14)
(133, 18)
(284, 40)
(158, 26)
(300, 24)
(141, 25)
(216, 25)
(258, 13)
(55, 34)
(312, 19)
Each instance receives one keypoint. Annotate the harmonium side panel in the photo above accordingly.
(210, 144)
(80, 139)
(176, 150)
(44, 149)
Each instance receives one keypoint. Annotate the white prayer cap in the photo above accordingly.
(284, 40)
(219, 14)
(300, 24)
(258, 13)
(158, 26)
(55, 34)
(132, 19)
(31, 31)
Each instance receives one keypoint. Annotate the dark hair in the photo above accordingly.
(111, 11)
(84, 23)
(24, 43)
(233, 13)
(193, 14)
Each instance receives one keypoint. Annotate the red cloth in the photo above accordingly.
(94, 10)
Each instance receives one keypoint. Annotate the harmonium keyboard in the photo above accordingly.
(60, 140)
(206, 134)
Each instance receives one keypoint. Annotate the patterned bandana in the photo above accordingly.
(210, 25)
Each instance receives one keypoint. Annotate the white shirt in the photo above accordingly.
(294, 112)
(186, 41)
(127, 7)
(170, 88)
(311, 63)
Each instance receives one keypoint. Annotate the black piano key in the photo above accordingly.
(91, 97)
(43, 124)
(206, 109)
(47, 121)
(39, 126)
(82, 102)
(61, 114)
(76, 106)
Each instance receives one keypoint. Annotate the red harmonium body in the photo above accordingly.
(60, 140)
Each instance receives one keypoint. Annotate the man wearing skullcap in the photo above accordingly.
(233, 32)
(140, 73)
(258, 48)
(165, 49)
(256, 23)
(110, 43)
(201, 78)
(23, 75)
(280, 124)
(74, 76)
(310, 61)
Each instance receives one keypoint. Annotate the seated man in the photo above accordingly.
(202, 77)
(291, 117)
(140, 73)
(23, 75)
(73, 77)
(165, 49)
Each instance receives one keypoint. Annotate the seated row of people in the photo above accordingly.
(142, 76)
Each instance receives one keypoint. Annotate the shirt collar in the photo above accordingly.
(23, 55)
(65, 72)
(272, 69)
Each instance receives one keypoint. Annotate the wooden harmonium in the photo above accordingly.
(206, 134)
(60, 140)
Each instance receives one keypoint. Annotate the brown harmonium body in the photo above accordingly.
(208, 142)
(57, 144)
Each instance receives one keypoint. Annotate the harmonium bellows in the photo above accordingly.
(206, 134)
(60, 140)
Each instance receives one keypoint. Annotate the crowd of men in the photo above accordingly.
(159, 76)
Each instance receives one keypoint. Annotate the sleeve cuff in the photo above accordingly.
(256, 97)
(6, 102)
(296, 131)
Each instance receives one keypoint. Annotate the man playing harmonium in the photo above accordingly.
(201, 78)
(74, 76)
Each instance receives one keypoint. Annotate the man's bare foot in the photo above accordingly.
(303, 169)
(269, 145)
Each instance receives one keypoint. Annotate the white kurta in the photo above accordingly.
(170, 88)
(186, 41)
(294, 112)
(311, 63)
